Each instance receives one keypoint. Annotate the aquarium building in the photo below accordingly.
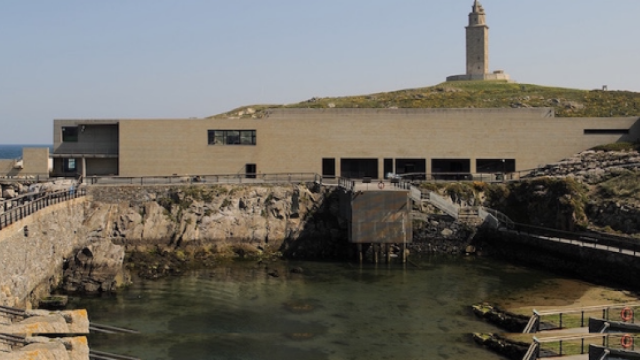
(332, 142)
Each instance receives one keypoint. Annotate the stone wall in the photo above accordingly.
(33, 250)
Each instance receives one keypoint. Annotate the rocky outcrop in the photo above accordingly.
(165, 229)
(225, 219)
(614, 215)
(505, 347)
(508, 321)
(441, 234)
(610, 175)
(592, 166)
(98, 267)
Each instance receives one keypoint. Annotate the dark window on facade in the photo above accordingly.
(451, 169)
(69, 134)
(411, 168)
(329, 167)
(606, 131)
(488, 166)
(70, 165)
(359, 168)
(250, 171)
(231, 137)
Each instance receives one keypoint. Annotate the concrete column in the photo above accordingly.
(472, 165)
(380, 168)
(338, 169)
(84, 168)
(427, 165)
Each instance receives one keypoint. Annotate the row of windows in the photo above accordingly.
(232, 137)
(248, 137)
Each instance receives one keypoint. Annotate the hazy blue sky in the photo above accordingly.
(195, 58)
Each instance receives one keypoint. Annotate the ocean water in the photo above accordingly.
(332, 311)
(15, 151)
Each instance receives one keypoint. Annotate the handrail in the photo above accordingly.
(532, 325)
(552, 339)
(586, 309)
(500, 217)
(247, 178)
(532, 352)
(450, 209)
(607, 347)
(605, 326)
(18, 213)
(609, 241)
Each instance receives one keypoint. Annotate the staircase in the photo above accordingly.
(470, 215)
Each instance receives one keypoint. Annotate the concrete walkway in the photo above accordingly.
(588, 244)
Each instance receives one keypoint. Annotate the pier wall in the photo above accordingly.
(588, 263)
(33, 249)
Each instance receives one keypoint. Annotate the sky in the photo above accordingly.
(99, 59)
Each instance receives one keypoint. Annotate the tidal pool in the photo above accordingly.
(330, 311)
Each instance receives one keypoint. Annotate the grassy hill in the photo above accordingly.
(478, 94)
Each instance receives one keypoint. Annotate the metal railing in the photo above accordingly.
(211, 179)
(453, 176)
(532, 352)
(604, 241)
(501, 218)
(565, 345)
(30, 207)
(578, 317)
(25, 178)
(441, 203)
(617, 345)
(488, 219)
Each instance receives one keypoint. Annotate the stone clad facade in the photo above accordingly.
(346, 142)
(34, 163)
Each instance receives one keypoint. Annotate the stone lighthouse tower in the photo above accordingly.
(477, 41)
(478, 49)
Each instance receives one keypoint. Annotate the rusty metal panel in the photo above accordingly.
(345, 204)
(380, 217)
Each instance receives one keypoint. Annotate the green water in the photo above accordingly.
(332, 311)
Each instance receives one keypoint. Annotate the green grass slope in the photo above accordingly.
(478, 94)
